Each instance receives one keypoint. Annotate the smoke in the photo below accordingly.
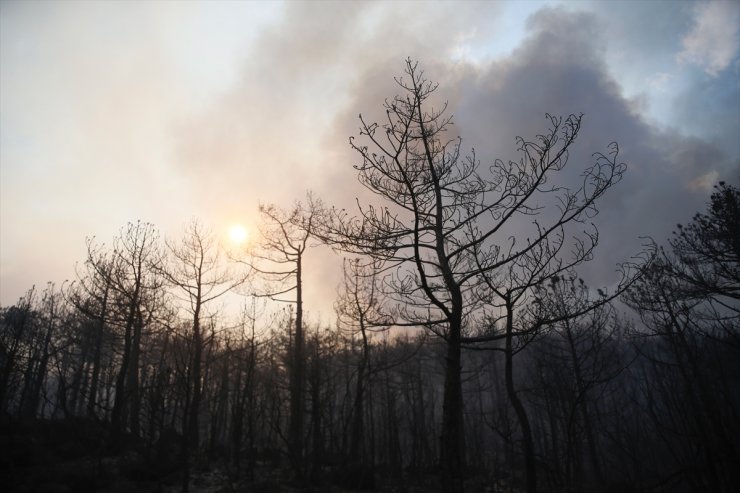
(114, 112)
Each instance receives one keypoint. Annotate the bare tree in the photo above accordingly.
(50, 314)
(133, 278)
(286, 235)
(243, 402)
(576, 359)
(359, 312)
(17, 322)
(688, 302)
(448, 233)
(91, 295)
(196, 271)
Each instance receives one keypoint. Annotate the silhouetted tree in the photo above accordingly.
(689, 303)
(41, 350)
(445, 232)
(92, 296)
(244, 407)
(359, 313)
(17, 323)
(574, 361)
(196, 271)
(279, 259)
(136, 256)
(707, 252)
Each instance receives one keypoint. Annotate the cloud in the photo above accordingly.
(660, 81)
(284, 127)
(705, 182)
(119, 112)
(714, 40)
(560, 68)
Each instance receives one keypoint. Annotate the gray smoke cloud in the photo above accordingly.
(209, 109)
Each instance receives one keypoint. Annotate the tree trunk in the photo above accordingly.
(451, 446)
(193, 430)
(37, 383)
(119, 401)
(394, 447)
(133, 377)
(356, 455)
(95, 379)
(118, 416)
(530, 470)
(317, 437)
(295, 433)
(582, 403)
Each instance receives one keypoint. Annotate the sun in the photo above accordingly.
(238, 234)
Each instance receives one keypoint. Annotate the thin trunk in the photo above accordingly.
(118, 416)
(356, 434)
(185, 456)
(356, 443)
(581, 393)
(316, 415)
(32, 404)
(394, 447)
(218, 417)
(156, 420)
(530, 469)
(133, 377)
(38, 377)
(193, 429)
(451, 447)
(237, 420)
(295, 433)
(79, 377)
(94, 382)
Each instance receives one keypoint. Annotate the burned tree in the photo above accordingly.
(360, 313)
(450, 234)
(689, 304)
(196, 272)
(135, 285)
(91, 295)
(286, 235)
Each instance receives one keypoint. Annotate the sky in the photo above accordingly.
(121, 111)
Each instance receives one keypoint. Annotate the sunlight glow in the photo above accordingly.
(238, 234)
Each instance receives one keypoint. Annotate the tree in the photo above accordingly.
(41, 350)
(286, 236)
(359, 311)
(196, 272)
(134, 280)
(244, 398)
(574, 361)
(444, 231)
(91, 295)
(16, 323)
(688, 301)
(705, 261)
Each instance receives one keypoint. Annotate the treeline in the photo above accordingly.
(462, 357)
(642, 399)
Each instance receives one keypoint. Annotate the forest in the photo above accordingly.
(467, 352)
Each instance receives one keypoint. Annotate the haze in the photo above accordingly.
(163, 111)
